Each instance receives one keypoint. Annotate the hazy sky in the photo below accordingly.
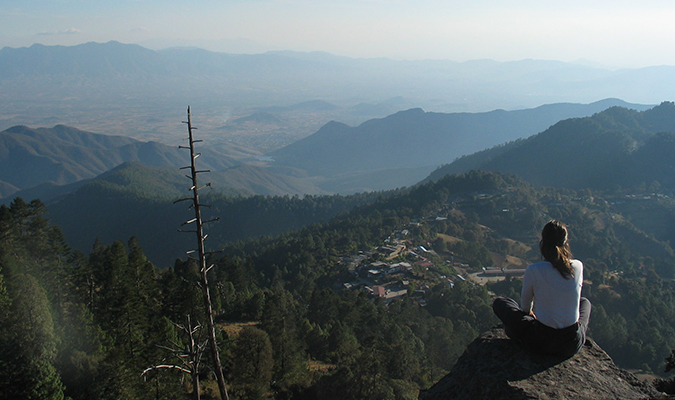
(616, 33)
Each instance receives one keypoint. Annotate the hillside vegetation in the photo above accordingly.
(329, 297)
(104, 312)
(62, 155)
(613, 149)
(47, 163)
(403, 148)
(380, 154)
(135, 200)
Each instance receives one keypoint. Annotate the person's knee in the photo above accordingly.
(585, 306)
(500, 305)
(497, 302)
(584, 314)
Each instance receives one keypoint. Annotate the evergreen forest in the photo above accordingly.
(293, 321)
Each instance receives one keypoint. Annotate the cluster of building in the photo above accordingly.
(495, 272)
(380, 278)
(378, 270)
(377, 273)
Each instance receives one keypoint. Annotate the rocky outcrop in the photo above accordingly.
(495, 367)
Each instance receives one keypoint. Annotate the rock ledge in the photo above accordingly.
(495, 367)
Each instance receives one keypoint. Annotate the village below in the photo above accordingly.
(401, 268)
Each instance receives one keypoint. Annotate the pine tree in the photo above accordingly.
(252, 362)
(279, 320)
(126, 308)
(27, 344)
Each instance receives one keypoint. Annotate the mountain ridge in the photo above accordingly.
(48, 162)
(380, 154)
(613, 147)
(63, 155)
(273, 77)
(415, 139)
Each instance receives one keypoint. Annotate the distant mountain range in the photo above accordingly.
(381, 154)
(94, 75)
(250, 104)
(614, 148)
(403, 148)
(48, 162)
(617, 147)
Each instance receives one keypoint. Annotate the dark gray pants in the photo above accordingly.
(540, 338)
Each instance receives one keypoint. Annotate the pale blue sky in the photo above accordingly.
(616, 33)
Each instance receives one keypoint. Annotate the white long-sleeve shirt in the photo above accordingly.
(555, 299)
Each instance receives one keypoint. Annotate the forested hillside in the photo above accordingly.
(380, 154)
(135, 200)
(63, 155)
(616, 148)
(298, 318)
(401, 149)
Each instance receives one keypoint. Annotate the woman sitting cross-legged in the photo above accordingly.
(552, 317)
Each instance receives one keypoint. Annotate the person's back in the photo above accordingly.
(557, 298)
(553, 317)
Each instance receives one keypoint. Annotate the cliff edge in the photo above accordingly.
(494, 367)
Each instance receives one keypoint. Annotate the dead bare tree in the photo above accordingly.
(201, 255)
(188, 356)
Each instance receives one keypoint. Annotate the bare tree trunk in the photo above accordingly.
(195, 352)
(195, 387)
(189, 357)
(215, 355)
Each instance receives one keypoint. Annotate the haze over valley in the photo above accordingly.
(123, 89)
(290, 109)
